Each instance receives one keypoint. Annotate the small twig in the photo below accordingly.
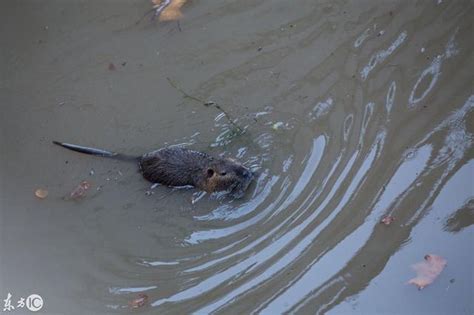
(186, 95)
(179, 26)
(207, 104)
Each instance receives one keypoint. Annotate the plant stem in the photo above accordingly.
(207, 104)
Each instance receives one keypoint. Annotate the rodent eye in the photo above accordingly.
(223, 174)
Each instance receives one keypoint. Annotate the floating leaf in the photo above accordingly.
(80, 190)
(139, 301)
(41, 193)
(168, 10)
(428, 270)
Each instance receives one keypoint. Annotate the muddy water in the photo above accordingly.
(353, 111)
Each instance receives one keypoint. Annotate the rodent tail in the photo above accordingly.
(96, 152)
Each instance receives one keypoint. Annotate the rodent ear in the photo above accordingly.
(210, 172)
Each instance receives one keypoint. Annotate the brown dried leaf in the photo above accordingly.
(428, 270)
(168, 10)
(80, 190)
(41, 193)
(387, 220)
(139, 301)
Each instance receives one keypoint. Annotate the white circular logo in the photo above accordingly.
(34, 302)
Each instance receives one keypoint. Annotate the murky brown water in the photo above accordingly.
(354, 110)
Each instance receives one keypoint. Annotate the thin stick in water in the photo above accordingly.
(207, 104)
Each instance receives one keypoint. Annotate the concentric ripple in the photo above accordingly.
(376, 125)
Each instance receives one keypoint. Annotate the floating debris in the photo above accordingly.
(387, 220)
(168, 10)
(428, 270)
(139, 301)
(80, 190)
(237, 129)
(41, 193)
(278, 125)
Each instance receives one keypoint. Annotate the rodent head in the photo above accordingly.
(227, 175)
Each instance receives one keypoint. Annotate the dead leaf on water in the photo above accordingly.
(80, 190)
(139, 301)
(41, 193)
(428, 270)
(168, 10)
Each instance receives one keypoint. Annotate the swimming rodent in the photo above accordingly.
(178, 166)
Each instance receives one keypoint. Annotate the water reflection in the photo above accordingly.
(381, 55)
(432, 73)
(462, 218)
(296, 242)
(293, 235)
